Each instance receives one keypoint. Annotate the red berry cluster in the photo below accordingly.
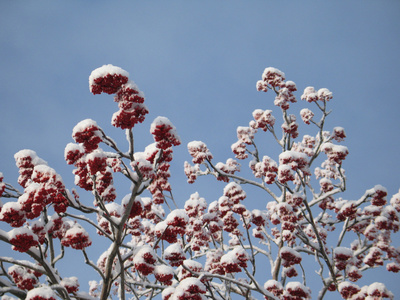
(12, 213)
(191, 172)
(296, 161)
(43, 187)
(379, 196)
(230, 167)
(289, 256)
(71, 284)
(26, 160)
(274, 287)
(174, 254)
(263, 119)
(235, 260)
(87, 133)
(273, 78)
(229, 204)
(342, 257)
(201, 225)
(41, 293)
(90, 161)
(109, 84)
(335, 153)
(188, 289)
(164, 274)
(296, 291)
(23, 277)
(188, 267)
(114, 80)
(76, 237)
(347, 289)
(290, 126)
(22, 239)
(160, 153)
(144, 260)
(213, 262)
(306, 115)
(267, 169)
(245, 137)
(311, 95)
(164, 133)
(199, 151)
(338, 134)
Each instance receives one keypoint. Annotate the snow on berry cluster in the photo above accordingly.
(201, 155)
(165, 136)
(44, 189)
(274, 79)
(94, 167)
(41, 293)
(24, 278)
(114, 80)
(352, 291)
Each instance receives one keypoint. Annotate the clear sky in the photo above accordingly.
(197, 63)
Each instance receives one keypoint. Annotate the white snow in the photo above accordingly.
(82, 125)
(160, 121)
(295, 285)
(36, 160)
(273, 70)
(70, 281)
(347, 284)
(273, 284)
(168, 291)
(175, 248)
(72, 147)
(20, 231)
(163, 269)
(41, 292)
(324, 93)
(229, 258)
(177, 213)
(75, 230)
(192, 264)
(380, 291)
(289, 156)
(343, 251)
(186, 283)
(104, 71)
(292, 252)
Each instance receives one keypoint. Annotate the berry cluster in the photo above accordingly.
(114, 80)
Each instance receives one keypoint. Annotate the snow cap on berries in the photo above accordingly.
(296, 289)
(273, 286)
(348, 289)
(87, 132)
(164, 133)
(190, 288)
(199, 151)
(144, 260)
(76, 237)
(12, 213)
(41, 293)
(289, 256)
(22, 239)
(71, 284)
(107, 79)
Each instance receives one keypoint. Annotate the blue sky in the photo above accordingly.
(197, 63)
